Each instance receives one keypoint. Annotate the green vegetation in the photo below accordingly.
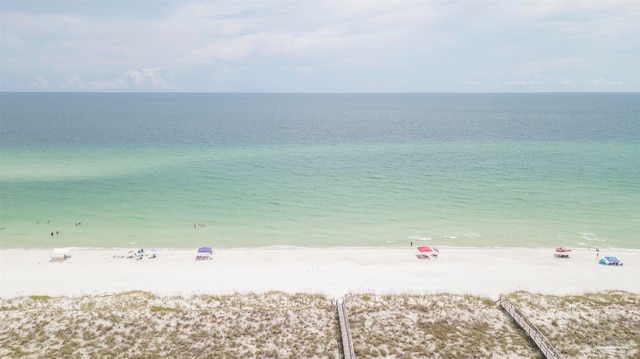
(157, 309)
(278, 325)
(442, 325)
(143, 325)
(592, 325)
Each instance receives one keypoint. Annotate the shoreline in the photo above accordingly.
(335, 271)
(297, 247)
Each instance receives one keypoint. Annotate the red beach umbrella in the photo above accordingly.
(425, 249)
(427, 252)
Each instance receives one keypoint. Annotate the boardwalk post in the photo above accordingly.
(345, 331)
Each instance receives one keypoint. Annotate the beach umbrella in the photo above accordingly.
(426, 252)
(427, 249)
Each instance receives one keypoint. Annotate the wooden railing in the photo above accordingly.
(345, 331)
(532, 331)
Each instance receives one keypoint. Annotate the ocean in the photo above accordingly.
(105, 170)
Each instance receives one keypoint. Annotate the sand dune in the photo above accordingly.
(245, 303)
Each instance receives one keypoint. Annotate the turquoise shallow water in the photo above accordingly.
(343, 170)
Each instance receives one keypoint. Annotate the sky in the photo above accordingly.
(320, 46)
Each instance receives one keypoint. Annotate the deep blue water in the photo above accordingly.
(54, 119)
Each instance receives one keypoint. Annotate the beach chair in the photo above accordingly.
(562, 252)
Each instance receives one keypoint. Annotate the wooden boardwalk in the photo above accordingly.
(529, 328)
(345, 331)
(532, 331)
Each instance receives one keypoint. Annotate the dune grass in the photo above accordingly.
(592, 325)
(278, 325)
(142, 325)
(433, 326)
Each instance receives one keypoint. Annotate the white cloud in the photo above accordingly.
(40, 83)
(602, 81)
(525, 82)
(230, 50)
(421, 45)
(295, 29)
(147, 78)
(549, 67)
(76, 82)
(539, 80)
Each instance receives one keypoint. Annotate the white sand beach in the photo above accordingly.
(252, 307)
(332, 271)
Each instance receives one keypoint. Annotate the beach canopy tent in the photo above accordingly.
(205, 250)
(610, 261)
(562, 252)
(426, 252)
(204, 253)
